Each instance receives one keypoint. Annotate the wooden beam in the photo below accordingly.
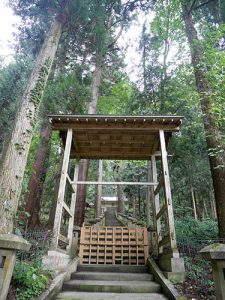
(106, 126)
(167, 193)
(66, 207)
(61, 192)
(159, 186)
(161, 212)
(148, 206)
(115, 183)
(70, 183)
(73, 206)
(63, 239)
(156, 204)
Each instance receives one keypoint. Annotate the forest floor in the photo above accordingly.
(199, 282)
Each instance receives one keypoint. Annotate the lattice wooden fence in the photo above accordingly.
(113, 245)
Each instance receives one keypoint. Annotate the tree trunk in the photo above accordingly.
(134, 207)
(57, 176)
(15, 156)
(194, 203)
(83, 167)
(119, 188)
(212, 204)
(81, 193)
(213, 136)
(32, 198)
(99, 190)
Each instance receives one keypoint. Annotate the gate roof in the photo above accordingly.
(115, 136)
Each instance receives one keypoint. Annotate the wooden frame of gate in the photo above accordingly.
(113, 245)
(117, 137)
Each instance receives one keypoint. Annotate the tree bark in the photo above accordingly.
(119, 188)
(57, 176)
(99, 190)
(83, 164)
(193, 203)
(81, 193)
(15, 156)
(213, 136)
(32, 198)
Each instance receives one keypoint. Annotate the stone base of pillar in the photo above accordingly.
(56, 260)
(9, 245)
(172, 267)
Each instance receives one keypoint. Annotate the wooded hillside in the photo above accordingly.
(70, 58)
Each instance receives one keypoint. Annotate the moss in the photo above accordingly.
(19, 147)
(36, 93)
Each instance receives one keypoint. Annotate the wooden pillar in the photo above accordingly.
(61, 192)
(99, 190)
(156, 206)
(73, 206)
(148, 196)
(167, 193)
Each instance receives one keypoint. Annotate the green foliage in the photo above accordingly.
(188, 227)
(30, 279)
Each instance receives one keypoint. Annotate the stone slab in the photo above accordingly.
(109, 296)
(14, 242)
(213, 252)
(111, 276)
(112, 286)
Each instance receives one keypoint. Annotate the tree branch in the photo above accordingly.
(201, 5)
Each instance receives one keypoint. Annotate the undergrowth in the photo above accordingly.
(29, 280)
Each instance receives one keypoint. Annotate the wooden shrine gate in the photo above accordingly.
(113, 245)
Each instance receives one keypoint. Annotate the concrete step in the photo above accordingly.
(111, 276)
(99, 286)
(109, 296)
(113, 268)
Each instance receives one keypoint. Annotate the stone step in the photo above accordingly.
(99, 286)
(113, 268)
(109, 296)
(111, 276)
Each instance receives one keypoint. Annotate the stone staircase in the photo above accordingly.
(114, 282)
(110, 218)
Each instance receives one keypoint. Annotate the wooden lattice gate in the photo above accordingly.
(113, 245)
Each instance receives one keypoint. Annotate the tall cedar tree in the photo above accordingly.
(15, 155)
(213, 135)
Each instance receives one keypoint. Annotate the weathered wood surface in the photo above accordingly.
(61, 193)
(113, 245)
(115, 137)
(167, 193)
(115, 183)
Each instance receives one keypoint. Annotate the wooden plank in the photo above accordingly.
(167, 192)
(64, 239)
(115, 183)
(161, 212)
(61, 193)
(65, 206)
(118, 127)
(160, 184)
(70, 182)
